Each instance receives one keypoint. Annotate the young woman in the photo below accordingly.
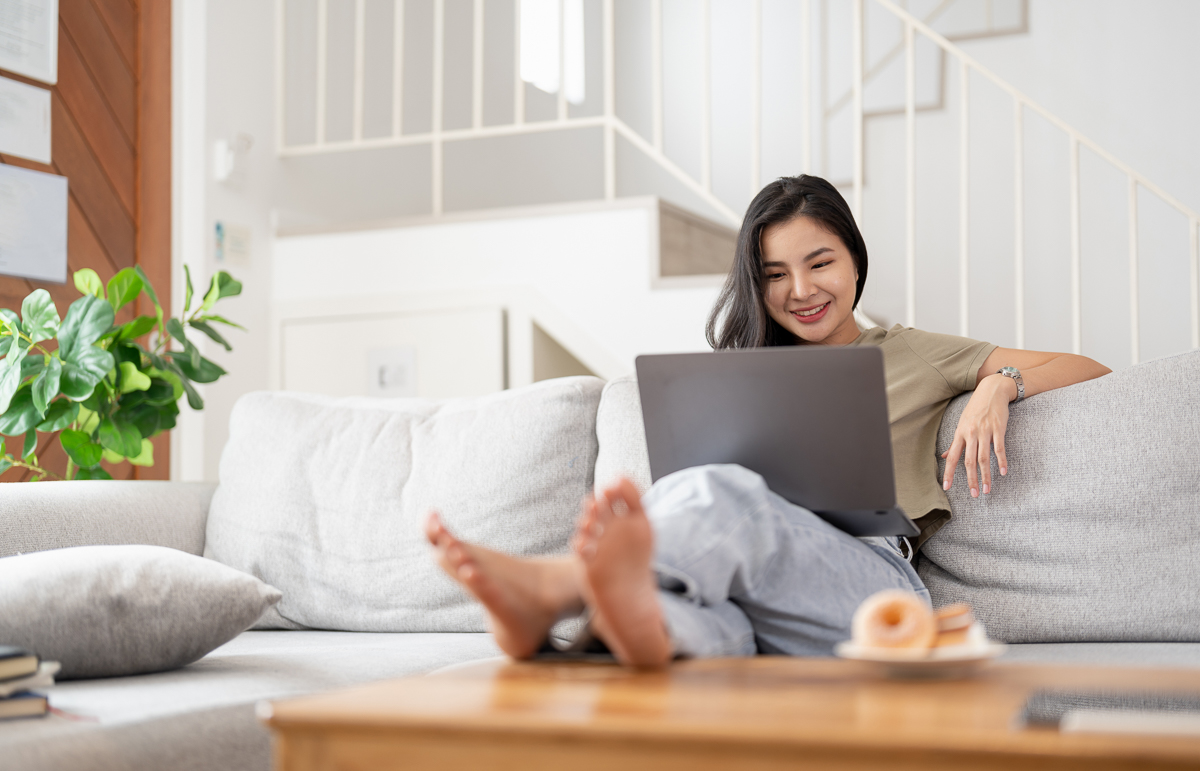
(711, 562)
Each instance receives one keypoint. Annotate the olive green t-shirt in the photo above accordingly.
(924, 371)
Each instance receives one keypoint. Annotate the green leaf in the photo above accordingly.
(212, 295)
(5, 344)
(132, 379)
(220, 320)
(87, 319)
(213, 334)
(92, 473)
(187, 297)
(123, 288)
(124, 352)
(138, 327)
(80, 448)
(10, 321)
(87, 281)
(207, 372)
(170, 377)
(41, 317)
(111, 456)
(193, 396)
(45, 386)
(144, 417)
(175, 329)
(31, 366)
(147, 285)
(83, 371)
(10, 380)
(88, 420)
(21, 414)
(61, 414)
(30, 444)
(120, 436)
(146, 456)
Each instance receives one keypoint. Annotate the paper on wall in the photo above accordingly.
(24, 120)
(33, 224)
(29, 38)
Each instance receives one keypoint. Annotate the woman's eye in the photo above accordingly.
(773, 276)
(822, 264)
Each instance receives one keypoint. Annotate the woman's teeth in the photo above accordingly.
(813, 312)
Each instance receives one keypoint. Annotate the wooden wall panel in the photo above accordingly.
(111, 125)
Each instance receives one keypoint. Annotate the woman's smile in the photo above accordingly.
(811, 315)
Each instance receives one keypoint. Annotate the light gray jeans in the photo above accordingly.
(743, 571)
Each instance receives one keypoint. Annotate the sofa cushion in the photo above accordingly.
(326, 498)
(621, 434)
(56, 515)
(103, 611)
(1094, 535)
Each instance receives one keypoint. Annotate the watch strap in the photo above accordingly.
(1015, 374)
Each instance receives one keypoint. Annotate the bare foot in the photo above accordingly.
(523, 597)
(616, 545)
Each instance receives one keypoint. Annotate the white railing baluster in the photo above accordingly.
(756, 106)
(439, 47)
(1076, 269)
(519, 85)
(610, 103)
(964, 199)
(1134, 315)
(477, 66)
(910, 174)
(805, 84)
(857, 82)
(398, 68)
(562, 60)
(280, 76)
(656, 73)
(322, 66)
(1194, 237)
(1019, 219)
(360, 52)
(706, 98)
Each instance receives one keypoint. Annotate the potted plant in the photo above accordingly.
(91, 381)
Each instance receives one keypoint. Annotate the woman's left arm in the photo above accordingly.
(984, 421)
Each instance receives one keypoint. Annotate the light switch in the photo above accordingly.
(392, 372)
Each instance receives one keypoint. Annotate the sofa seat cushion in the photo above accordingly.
(326, 498)
(1094, 535)
(1108, 654)
(200, 717)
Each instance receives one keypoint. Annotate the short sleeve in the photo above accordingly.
(957, 359)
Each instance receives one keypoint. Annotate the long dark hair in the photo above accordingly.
(739, 318)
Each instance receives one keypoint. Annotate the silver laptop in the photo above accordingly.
(811, 420)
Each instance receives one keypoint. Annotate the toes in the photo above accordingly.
(433, 527)
(623, 497)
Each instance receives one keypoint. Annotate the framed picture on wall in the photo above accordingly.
(29, 38)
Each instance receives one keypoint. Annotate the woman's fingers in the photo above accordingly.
(969, 462)
(951, 457)
(1001, 458)
(985, 466)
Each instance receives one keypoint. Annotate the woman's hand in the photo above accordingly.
(981, 427)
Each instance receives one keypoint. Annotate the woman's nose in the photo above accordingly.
(802, 287)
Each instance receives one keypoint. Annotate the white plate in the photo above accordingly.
(942, 663)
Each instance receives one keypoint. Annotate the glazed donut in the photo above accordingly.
(894, 619)
(956, 616)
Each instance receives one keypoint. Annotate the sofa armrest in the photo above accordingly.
(53, 515)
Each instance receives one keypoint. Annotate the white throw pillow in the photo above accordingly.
(326, 498)
(104, 611)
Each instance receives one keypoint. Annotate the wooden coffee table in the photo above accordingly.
(759, 713)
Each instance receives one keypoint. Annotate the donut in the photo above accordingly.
(952, 637)
(956, 616)
(893, 618)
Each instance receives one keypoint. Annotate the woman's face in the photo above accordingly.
(809, 282)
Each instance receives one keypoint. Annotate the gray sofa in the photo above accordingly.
(1086, 553)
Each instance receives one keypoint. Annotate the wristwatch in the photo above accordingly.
(1015, 374)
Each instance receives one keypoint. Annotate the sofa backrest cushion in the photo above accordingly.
(621, 434)
(326, 498)
(1094, 535)
(57, 515)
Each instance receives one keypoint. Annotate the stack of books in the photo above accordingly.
(20, 673)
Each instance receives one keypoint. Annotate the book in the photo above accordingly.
(24, 705)
(16, 662)
(43, 678)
